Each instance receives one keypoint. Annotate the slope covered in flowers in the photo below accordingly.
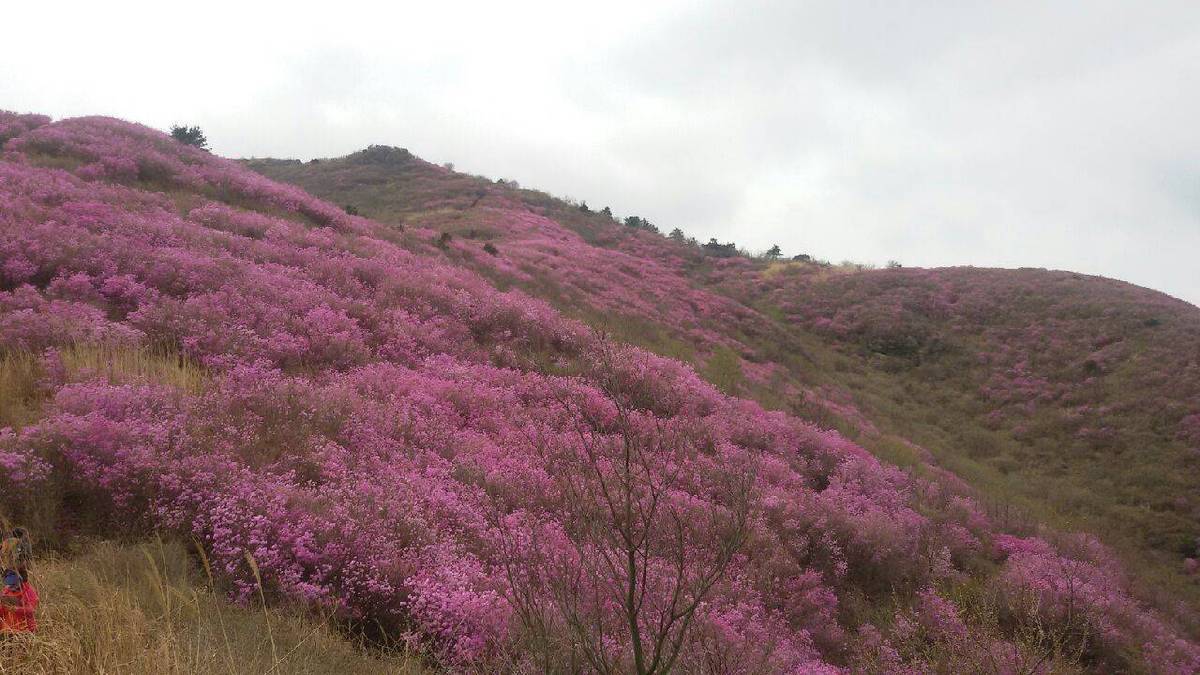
(377, 429)
(1089, 386)
(532, 249)
(1070, 397)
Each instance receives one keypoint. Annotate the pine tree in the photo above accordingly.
(192, 136)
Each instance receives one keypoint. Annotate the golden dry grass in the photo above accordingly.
(148, 609)
(21, 396)
(20, 399)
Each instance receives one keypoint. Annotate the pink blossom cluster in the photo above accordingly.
(1077, 592)
(82, 262)
(14, 124)
(112, 150)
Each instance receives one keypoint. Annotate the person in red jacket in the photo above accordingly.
(18, 605)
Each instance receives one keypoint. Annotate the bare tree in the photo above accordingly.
(1046, 635)
(616, 577)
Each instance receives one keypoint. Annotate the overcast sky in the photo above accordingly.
(1061, 135)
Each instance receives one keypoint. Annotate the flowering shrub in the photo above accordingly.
(1079, 601)
(21, 473)
(13, 124)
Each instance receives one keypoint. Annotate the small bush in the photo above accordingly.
(192, 136)
(639, 223)
(719, 250)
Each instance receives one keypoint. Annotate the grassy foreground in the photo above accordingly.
(123, 608)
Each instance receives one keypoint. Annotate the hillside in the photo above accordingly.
(1065, 398)
(427, 441)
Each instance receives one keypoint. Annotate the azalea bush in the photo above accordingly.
(13, 124)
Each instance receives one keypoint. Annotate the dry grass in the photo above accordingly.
(20, 397)
(21, 372)
(144, 609)
(121, 365)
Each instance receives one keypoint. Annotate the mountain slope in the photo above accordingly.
(1092, 384)
(378, 423)
(1075, 399)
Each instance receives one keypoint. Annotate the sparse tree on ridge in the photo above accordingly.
(637, 222)
(719, 250)
(774, 253)
(192, 136)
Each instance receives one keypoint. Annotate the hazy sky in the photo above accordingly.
(1062, 135)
